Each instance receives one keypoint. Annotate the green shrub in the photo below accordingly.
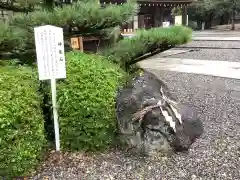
(11, 38)
(87, 102)
(127, 50)
(21, 121)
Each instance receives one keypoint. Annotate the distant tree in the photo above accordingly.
(206, 10)
(202, 12)
(176, 11)
(226, 6)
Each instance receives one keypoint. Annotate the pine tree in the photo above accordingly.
(206, 10)
(80, 17)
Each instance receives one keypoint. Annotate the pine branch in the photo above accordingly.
(77, 18)
(9, 7)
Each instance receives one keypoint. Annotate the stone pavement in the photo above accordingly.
(214, 68)
(213, 35)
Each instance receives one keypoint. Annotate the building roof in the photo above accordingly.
(167, 1)
(150, 1)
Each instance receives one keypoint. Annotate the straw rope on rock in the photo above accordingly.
(150, 119)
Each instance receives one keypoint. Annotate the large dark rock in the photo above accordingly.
(150, 120)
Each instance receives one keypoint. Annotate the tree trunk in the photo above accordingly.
(199, 24)
(233, 20)
(208, 22)
(221, 20)
(48, 4)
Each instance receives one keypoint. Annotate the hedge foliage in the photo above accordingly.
(22, 136)
(127, 50)
(87, 102)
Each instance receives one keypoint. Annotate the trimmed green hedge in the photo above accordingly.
(21, 120)
(127, 50)
(87, 102)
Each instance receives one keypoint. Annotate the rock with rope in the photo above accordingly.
(150, 119)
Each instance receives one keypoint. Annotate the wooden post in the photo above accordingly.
(130, 24)
(81, 44)
(77, 43)
(161, 15)
(141, 21)
(135, 22)
(233, 20)
(184, 15)
(158, 17)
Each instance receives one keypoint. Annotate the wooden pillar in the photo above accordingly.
(130, 24)
(135, 22)
(157, 17)
(184, 15)
(141, 21)
(161, 15)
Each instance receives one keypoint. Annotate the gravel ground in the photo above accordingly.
(213, 44)
(212, 54)
(215, 156)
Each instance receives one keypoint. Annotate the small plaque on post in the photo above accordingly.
(75, 43)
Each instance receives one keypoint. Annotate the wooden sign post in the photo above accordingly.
(77, 43)
(51, 63)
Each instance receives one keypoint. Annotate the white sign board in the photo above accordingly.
(50, 52)
(166, 24)
(51, 63)
(178, 20)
